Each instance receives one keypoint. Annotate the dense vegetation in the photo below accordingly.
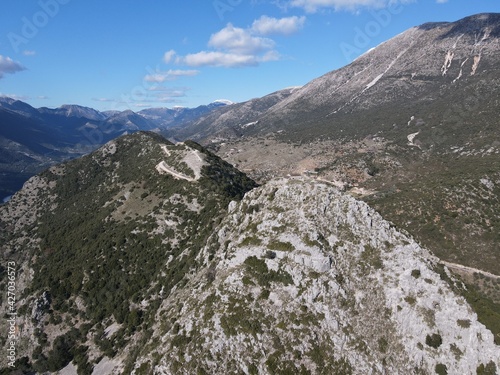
(104, 243)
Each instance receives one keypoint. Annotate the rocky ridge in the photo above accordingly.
(100, 240)
(300, 277)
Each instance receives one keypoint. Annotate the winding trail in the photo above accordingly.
(469, 269)
(163, 167)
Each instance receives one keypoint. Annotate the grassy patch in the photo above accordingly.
(280, 246)
(258, 269)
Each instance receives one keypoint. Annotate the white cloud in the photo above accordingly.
(314, 5)
(267, 25)
(237, 47)
(167, 97)
(168, 92)
(239, 41)
(29, 53)
(9, 66)
(220, 59)
(169, 56)
(170, 75)
(270, 56)
(163, 94)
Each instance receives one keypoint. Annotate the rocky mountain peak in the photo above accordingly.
(304, 278)
(80, 111)
(124, 218)
(475, 24)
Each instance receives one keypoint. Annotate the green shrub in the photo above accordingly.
(371, 257)
(280, 246)
(464, 323)
(410, 300)
(489, 369)
(63, 350)
(258, 269)
(434, 341)
(415, 273)
(441, 369)
(264, 294)
(251, 241)
(383, 344)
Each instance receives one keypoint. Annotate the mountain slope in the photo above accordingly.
(26, 147)
(416, 72)
(133, 270)
(304, 279)
(105, 238)
(72, 110)
(410, 124)
(441, 85)
(228, 121)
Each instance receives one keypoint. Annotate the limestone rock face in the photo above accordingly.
(300, 277)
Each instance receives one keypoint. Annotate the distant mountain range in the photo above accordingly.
(31, 139)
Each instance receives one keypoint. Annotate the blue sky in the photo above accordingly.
(134, 54)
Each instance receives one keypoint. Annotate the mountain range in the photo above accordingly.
(418, 71)
(33, 139)
(414, 120)
(348, 226)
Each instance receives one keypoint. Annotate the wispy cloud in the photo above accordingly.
(152, 103)
(29, 53)
(221, 59)
(141, 105)
(169, 97)
(152, 96)
(9, 66)
(169, 75)
(312, 6)
(103, 100)
(172, 91)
